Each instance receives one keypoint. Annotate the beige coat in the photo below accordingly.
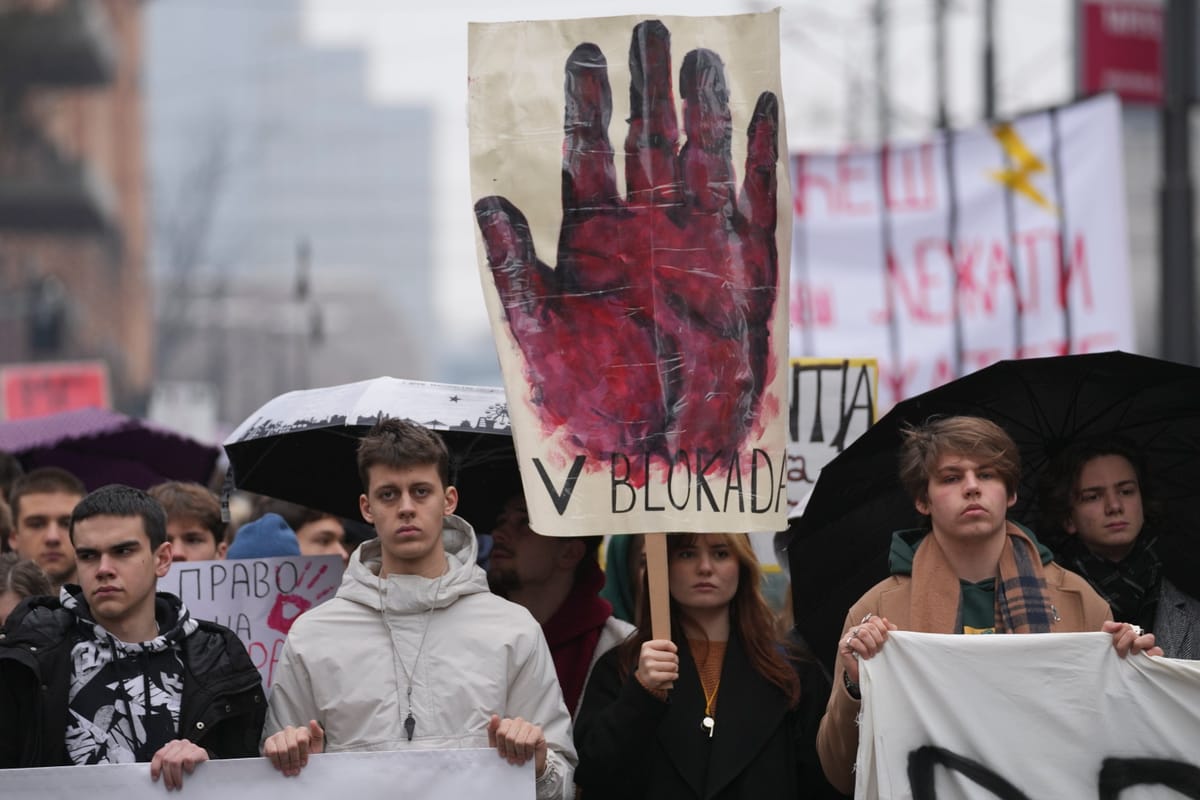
(466, 653)
(1079, 609)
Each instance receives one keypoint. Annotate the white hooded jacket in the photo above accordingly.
(347, 663)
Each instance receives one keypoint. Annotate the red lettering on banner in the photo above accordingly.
(930, 369)
(848, 175)
(1001, 272)
(916, 297)
(964, 275)
(802, 179)
(1051, 347)
(897, 377)
(265, 661)
(1077, 270)
(811, 306)
(1032, 239)
(916, 189)
(980, 357)
(985, 275)
(983, 269)
(931, 276)
(838, 192)
(1097, 342)
(942, 371)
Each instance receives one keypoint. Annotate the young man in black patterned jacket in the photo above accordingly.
(114, 672)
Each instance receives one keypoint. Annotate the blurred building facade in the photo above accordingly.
(73, 231)
(292, 228)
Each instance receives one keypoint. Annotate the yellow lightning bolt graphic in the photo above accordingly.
(1024, 165)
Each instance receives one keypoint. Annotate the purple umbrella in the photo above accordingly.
(101, 447)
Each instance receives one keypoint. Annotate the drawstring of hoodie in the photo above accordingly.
(115, 678)
(147, 708)
(398, 668)
(120, 661)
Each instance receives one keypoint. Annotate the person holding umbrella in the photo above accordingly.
(724, 709)
(970, 571)
(1095, 499)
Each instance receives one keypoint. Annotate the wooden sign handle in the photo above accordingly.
(660, 588)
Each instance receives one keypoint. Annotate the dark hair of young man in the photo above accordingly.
(116, 500)
(399, 444)
(1056, 487)
(44, 480)
(181, 500)
(295, 515)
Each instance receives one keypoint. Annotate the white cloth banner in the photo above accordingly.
(1035, 716)
(256, 598)
(944, 256)
(427, 774)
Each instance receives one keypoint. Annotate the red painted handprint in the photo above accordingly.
(651, 335)
(289, 606)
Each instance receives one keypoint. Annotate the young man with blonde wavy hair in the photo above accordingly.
(970, 570)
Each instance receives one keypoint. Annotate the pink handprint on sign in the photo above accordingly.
(290, 605)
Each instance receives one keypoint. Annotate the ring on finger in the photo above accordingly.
(1137, 630)
(866, 619)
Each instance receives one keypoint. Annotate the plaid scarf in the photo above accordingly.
(1129, 586)
(1022, 602)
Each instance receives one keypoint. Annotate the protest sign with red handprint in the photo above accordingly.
(649, 352)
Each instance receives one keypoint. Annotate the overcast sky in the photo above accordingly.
(828, 79)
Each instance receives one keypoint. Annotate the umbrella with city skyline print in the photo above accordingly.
(301, 445)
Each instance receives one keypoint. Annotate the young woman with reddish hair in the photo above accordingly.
(725, 709)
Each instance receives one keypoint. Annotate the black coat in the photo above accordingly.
(633, 745)
(222, 708)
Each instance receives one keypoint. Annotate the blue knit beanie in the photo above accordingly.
(264, 537)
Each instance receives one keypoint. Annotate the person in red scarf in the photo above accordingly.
(558, 580)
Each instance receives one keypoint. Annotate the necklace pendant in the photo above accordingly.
(709, 723)
(410, 725)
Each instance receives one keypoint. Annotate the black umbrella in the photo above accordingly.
(838, 548)
(301, 446)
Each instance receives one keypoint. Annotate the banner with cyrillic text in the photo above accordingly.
(943, 256)
(256, 598)
(428, 774)
(1026, 717)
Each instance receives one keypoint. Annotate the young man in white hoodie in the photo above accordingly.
(452, 665)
